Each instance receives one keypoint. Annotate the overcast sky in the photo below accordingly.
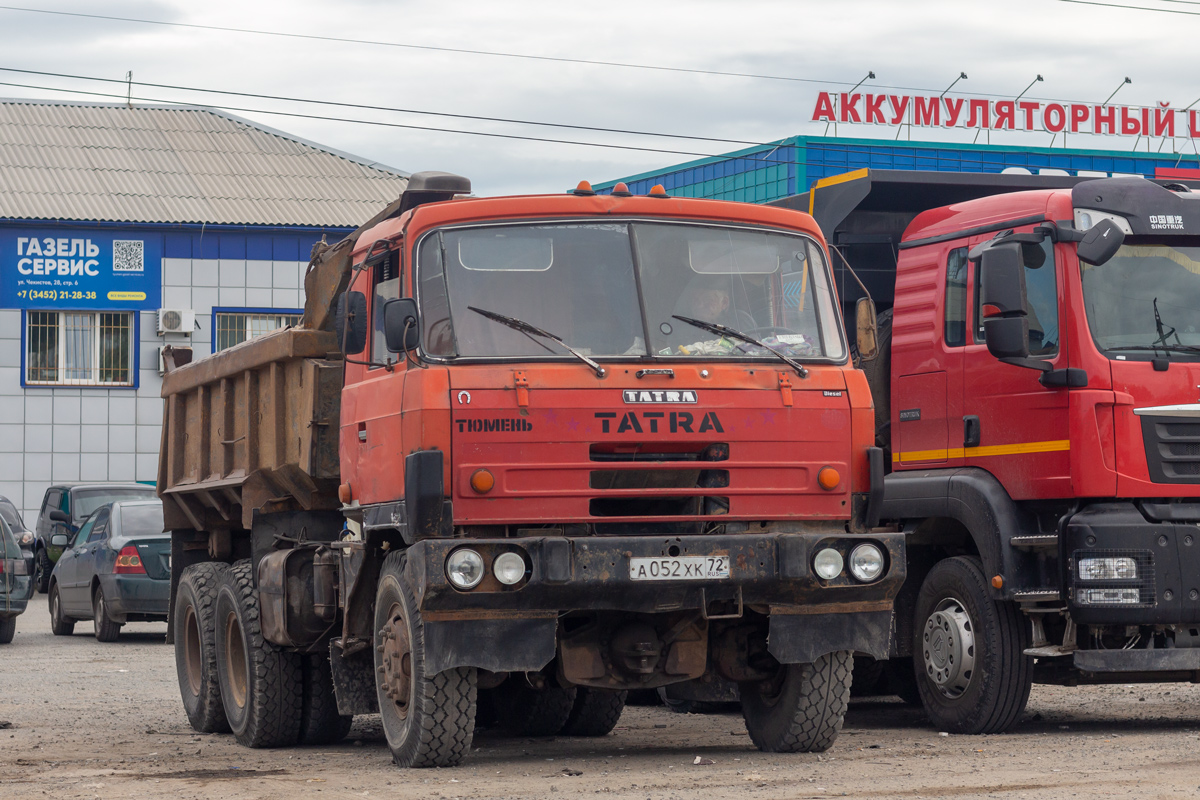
(1084, 52)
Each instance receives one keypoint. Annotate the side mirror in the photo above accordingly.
(1002, 297)
(60, 516)
(866, 329)
(1100, 243)
(401, 325)
(350, 322)
(59, 540)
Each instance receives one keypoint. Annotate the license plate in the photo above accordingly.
(680, 568)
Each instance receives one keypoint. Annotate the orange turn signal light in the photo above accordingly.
(828, 478)
(482, 481)
(990, 310)
(997, 582)
(345, 494)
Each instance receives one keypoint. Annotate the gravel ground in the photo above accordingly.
(91, 720)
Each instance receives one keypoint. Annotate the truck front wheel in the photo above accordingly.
(196, 647)
(968, 651)
(801, 709)
(429, 720)
(261, 684)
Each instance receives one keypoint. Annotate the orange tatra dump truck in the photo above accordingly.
(523, 455)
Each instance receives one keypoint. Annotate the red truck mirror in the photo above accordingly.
(350, 322)
(401, 325)
(1002, 297)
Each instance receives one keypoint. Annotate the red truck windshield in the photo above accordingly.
(1121, 296)
(612, 289)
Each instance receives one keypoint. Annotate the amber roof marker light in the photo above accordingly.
(584, 189)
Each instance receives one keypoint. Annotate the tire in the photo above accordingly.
(879, 377)
(429, 720)
(196, 646)
(320, 722)
(594, 713)
(8, 628)
(522, 710)
(60, 624)
(802, 710)
(42, 567)
(106, 629)
(261, 684)
(972, 673)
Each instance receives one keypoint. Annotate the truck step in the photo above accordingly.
(1038, 594)
(1175, 660)
(1040, 540)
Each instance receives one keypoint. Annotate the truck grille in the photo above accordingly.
(1172, 449)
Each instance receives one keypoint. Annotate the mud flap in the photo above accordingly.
(496, 645)
(803, 638)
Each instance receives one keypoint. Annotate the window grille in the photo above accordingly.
(79, 348)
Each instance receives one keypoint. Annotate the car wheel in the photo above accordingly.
(801, 709)
(968, 651)
(42, 567)
(429, 720)
(261, 684)
(196, 648)
(60, 623)
(107, 630)
(8, 627)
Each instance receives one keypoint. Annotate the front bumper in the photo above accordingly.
(1166, 551)
(514, 628)
(138, 596)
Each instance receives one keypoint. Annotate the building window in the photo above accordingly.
(79, 348)
(237, 326)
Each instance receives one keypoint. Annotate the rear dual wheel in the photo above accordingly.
(801, 708)
(196, 647)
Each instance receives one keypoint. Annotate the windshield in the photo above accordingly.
(1121, 296)
(614, 289)
(8, 512)
(85, 501)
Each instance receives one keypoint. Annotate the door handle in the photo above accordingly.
(971, 431)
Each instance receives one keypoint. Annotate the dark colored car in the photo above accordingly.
(64, 508)
(16, 584)
(116, 569)
(9, 513)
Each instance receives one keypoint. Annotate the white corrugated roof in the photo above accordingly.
(117, 163)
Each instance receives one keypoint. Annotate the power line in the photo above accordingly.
(463, 51)
(1133, 8)
(380, 108)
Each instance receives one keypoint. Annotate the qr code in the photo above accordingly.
(127, 255)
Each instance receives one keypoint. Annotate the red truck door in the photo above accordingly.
(1022, 428)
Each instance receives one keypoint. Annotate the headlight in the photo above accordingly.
(27, 537)
(1107, 569)
(828, 563)
(509, 568)
(866, 562)
(464, 568)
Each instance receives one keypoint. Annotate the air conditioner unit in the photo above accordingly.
(176, 320)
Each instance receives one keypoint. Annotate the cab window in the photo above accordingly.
(386, 280)
(956, 298)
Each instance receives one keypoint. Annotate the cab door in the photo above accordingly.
(371, 441)
(1022, 427)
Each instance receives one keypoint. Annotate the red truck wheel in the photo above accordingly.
(968, 651)
(261, 684)
(802, 708)
(196, 648)
(429, 720)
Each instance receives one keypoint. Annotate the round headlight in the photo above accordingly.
(828, 563)
(866, 562)
(509, 568)
(464, 568)
(27, 537)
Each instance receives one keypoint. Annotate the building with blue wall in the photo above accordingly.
(127, 228)
(780, 169)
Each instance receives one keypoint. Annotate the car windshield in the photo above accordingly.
(1146, 296)
(142, 521)
(617, 289)
(85, 501)
(9, 513)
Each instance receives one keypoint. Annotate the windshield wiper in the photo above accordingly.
(725, 330)
(532, 330)
(1154, 348)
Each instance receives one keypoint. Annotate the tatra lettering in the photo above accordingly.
(629, 422)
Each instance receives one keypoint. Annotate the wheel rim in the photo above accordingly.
(235, 661)
(54, 612)
(98, 615)
(948, 648)
(191, 650)
(396, 661)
